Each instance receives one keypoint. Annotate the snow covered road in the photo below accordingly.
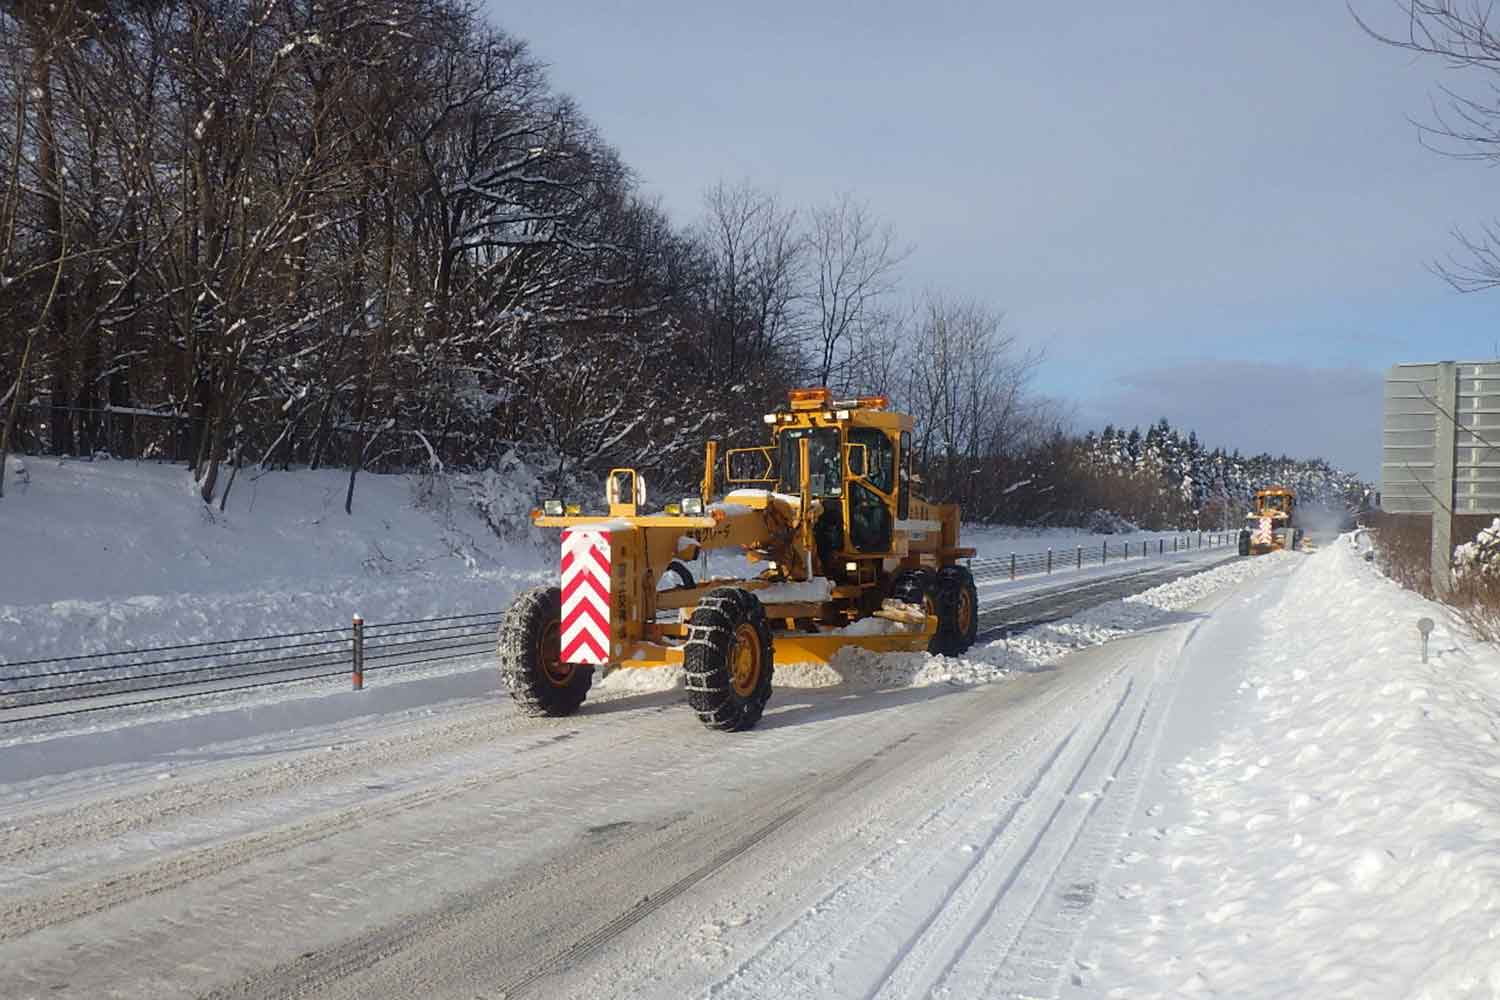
(863, 843)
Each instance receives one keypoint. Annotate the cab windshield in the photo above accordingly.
(824, 467)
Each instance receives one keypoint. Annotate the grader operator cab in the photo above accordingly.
(848, 556)
(1272, 523)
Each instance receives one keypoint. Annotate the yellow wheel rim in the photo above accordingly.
(965, 611)
(549, 655)
(744, 661)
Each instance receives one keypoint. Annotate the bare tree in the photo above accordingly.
(966, 386)
(856, 262)
(755, 283)
(1465, 36)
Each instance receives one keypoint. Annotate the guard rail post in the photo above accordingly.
(359, 652)
(1049, 560)
(1012, 565)
(1161, 546)
(1080, 557)
(1104, 555)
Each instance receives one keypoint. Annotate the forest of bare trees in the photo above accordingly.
(372, 236)
(364, 235)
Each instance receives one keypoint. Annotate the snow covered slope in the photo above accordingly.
(103, 555)
(1335, 830)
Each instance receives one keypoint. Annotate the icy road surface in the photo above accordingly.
(941, 840)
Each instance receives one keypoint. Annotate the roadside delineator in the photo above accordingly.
(359, 652)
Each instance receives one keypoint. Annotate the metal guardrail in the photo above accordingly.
(1080, 556)
(122, 678)
(92, 682)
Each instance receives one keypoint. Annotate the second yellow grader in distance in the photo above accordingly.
(848, 556)
(1272, 526)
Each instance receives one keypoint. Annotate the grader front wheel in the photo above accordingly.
(530, 657)
(957, 612)
(727, 663)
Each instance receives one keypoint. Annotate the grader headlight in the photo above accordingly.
(692, 506)
(552, 508)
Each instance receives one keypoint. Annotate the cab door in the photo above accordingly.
(871, 498)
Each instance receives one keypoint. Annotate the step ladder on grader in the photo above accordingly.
(848, 556)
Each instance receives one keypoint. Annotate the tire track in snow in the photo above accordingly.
(992, 885)
(1031, 960)
(24, 915)
(1037, 937)
(593, 941)
(52, 829)
(316, 972)
(815, 952)
(960, 909)
(27, 915)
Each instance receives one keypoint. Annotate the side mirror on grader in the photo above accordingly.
(826, 508)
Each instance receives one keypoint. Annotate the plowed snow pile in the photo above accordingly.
(1342, 838)
(1028, 650)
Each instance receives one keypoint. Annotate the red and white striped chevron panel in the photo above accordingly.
(585, 596)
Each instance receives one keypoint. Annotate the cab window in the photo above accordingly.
(903, 501)
(825, 472)
(880, 471)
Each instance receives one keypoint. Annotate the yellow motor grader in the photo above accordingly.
(841, 553)
(1272, 524)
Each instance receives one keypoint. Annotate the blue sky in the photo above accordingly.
(1218, 213)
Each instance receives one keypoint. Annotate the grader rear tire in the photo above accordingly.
(530, 657)
(728, 661)
(957, 612)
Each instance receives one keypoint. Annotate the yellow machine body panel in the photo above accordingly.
(1271, 520)
(829, 501)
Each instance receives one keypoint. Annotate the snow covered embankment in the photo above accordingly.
(1343, 840)
(109, 555)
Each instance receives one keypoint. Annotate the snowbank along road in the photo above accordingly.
(866, 841)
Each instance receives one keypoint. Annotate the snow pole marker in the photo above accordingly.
(1424, 626)
(359, 652)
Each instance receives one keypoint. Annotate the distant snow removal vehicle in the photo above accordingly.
(1272, 523)
(849, 556)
